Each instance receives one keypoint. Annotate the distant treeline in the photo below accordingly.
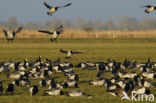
(124, 23)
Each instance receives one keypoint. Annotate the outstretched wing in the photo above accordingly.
(76, 52)
(147, 6)
(45, 31)
(48, 6)
(16, 31)
(67, 5)
(63, 51)
(5, 32)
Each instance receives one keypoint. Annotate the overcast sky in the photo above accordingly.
(34, 10)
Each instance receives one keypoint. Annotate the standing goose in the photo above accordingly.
(54, 9)
(69, 53)
(54, 34)
(149, 9)
(11, 35)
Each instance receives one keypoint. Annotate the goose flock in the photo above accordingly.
(23, 73)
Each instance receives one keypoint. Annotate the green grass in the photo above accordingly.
(95, 50)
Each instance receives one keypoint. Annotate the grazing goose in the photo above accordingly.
(4, 68)
(128, 64)
(15, 75)
(73, 77)
(48, 82)
(100, 66)
(21, 82)
(142, 90)
(70, 83)
(69, 53)
(78, 93)
(54, 9)
(51, 82)
(16, 82)
(98, 82)
(66, 64)
(109, 85)
(11, 35)
(146, 83)
(10, 88)
(43, 83)
(54, 91)
(82, 65)
(149, 75)
(136, 79)
(54, 34)
(117, 92)
(66, 69)
(58, 85)
(33, 90)
(149, 9)
(100, 74)
(25, 82)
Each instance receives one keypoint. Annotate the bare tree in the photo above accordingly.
(109, 25)
(12, 23)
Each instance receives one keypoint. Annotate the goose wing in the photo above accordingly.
(48, 6)
(5, 32)
(45, 31)
(76, 52)
(65, 5)
(17, 31)
(147, 6)
(63, 51)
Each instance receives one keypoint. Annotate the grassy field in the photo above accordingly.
(95, 50)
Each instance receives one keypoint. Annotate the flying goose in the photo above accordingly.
(54, 9)
(149, 9)
(54, 34)
(11, 35)
(69, 53)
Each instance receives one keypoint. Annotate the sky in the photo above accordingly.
(35, 11)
